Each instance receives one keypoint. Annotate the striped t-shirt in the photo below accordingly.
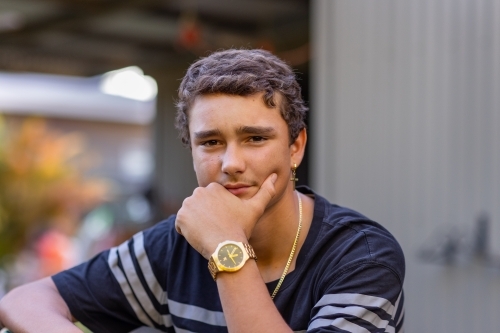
(348, 278)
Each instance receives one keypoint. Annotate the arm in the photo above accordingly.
(366, 297)
(36, 307)
(212, 215)
(244, 298)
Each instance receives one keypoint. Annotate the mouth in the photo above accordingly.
(237, 189)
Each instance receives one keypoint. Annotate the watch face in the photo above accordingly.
(230, 255)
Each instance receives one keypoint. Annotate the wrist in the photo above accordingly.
(230, 256)
(209, 250)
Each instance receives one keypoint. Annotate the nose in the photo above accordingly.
(232, 160)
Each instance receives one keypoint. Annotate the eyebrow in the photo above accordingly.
(257, 130)
(206, 134)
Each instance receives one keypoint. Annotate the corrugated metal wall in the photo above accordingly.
(406, 129)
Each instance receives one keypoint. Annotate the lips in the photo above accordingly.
(237, 189)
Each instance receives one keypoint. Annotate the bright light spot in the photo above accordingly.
(138, 209)
(129, 82)
(97, 223)
(11, 21)
(136, 164)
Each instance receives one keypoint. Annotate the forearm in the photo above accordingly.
(36, 307)
(246, 302)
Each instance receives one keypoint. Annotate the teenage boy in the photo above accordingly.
(247, 252)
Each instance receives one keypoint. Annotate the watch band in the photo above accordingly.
(214, 267)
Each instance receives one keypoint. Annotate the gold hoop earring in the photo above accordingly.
(294, 174)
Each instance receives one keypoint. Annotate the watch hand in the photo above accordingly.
(231, 256)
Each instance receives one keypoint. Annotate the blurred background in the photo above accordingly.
(404, 127)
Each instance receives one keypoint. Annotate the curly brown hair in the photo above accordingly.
(242, 73)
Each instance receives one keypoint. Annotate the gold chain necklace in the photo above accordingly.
(290, 257)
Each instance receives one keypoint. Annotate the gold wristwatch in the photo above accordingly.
(230, 256)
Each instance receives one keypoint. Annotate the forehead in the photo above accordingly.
(220, 110)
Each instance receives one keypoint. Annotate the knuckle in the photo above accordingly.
(188, 201)
(212, 186)
(177, 226)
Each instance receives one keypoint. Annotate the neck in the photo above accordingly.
(274, 235)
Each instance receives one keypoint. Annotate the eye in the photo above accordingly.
(257, 138)
(209, 143)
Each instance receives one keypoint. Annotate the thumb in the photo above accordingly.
(265, 193)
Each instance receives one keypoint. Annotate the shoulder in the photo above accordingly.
(164, 227)
(161, 234)
(348, 238)
(162, 242)
(353, 264)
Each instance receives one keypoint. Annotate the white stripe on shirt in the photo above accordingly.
(131, 285)
(356, 311)
(354, 305)
(122, 281)
(356, 299)
(341, 323)
(396, 305)
(138, 288)
(401, 315)
(147, 270)
(197, 313)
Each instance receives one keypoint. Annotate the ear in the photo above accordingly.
(298, 147)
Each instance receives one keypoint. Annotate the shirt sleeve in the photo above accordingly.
(366, 297)
(123, 288)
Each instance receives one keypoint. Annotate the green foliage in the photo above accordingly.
(83, 328)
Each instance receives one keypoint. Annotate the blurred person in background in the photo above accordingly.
(320, 267)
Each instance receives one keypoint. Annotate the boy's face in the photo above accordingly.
(238, 142)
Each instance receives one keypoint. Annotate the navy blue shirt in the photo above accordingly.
(348, 278)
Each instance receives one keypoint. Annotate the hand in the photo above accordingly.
(212, 215)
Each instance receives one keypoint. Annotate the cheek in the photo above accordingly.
(206, 169)
(276, 163)
(284, 176)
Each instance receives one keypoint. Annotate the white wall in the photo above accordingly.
(406, 129)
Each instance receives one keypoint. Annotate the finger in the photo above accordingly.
(177, 228)
(265, 193)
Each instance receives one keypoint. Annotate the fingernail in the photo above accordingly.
(274, 177)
